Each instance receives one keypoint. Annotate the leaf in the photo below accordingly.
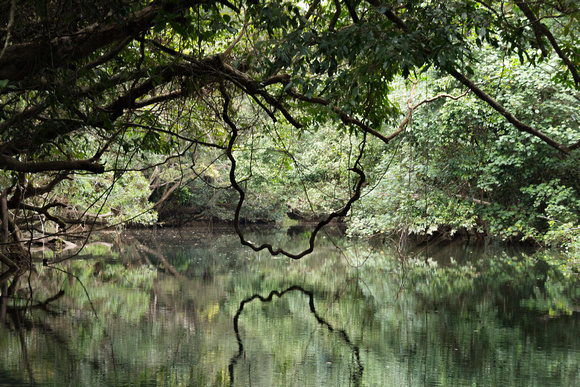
(180, 29)
(288, 86)
(566, 30)
(482, 32)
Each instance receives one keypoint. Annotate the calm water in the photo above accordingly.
(194, 308)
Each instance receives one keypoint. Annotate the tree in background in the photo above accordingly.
(127, 86)
(461, 168)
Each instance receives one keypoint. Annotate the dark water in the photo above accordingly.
(194, 308)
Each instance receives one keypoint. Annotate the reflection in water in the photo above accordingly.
(165, 302)
(356, 375)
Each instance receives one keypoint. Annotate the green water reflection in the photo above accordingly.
(194, 308)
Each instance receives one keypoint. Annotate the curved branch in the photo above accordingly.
(29, 112)
(336, 15)
(475, 89)
(359, 367)
(540, 30)
(107, 56)
(233, 44)
(21, 193)
(311, 9)
(255, 88)
(411, 109)
(214, 66)
(443, 95)
(535, 23)
(277, 251)
(345, 118)
(351, 11)
(409, 115)
(392, 16)
(169, 132)
(44, 211)
(158, 98)
(562, 56)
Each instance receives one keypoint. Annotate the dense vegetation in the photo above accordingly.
(423, 117)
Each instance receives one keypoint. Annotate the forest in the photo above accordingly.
(282, 193)
(411, 121)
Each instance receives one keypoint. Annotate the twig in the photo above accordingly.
(228, 50)
(81, 282)
(9, 27)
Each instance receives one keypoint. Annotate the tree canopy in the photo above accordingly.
(121, 88)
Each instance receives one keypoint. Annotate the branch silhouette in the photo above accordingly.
(266, 246)
(356, 376)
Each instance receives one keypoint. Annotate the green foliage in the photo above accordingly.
(302, 83)
(543, 283)
(182, 195)
(113, 199)
(305, 172)
(463, 166)
(282, 171)
(398, 199)
(406, 321)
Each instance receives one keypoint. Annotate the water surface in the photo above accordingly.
(194, 308)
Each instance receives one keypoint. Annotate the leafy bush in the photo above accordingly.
(113, 199)
(464, 166)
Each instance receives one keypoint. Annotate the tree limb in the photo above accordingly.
(24, 60)
(44, 211)
(169, 132)
(351, 11)
(9, 27)
(345, 118)
(504, 112)
(390, 15)
(476, 90)
(109, 55)
(21, 193)
(31, 191)
(336, 15)
(443, 95)
(12, 164)
(277, 251)
(540, 30)
(535, 23)
(233, 44)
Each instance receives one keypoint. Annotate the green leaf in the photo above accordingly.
(180, 29)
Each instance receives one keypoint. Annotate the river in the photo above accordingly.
(192, 307)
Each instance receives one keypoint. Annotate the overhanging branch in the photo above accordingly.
(540, 30)
(388, 13)
(345, 118)
(44, 211)
(12, 164)
(506, 113)
(24, 60)
(277, 251)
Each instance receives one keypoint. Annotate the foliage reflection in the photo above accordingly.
(357, 368)
(165, 303)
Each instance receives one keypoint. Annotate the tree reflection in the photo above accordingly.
(357, 369)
